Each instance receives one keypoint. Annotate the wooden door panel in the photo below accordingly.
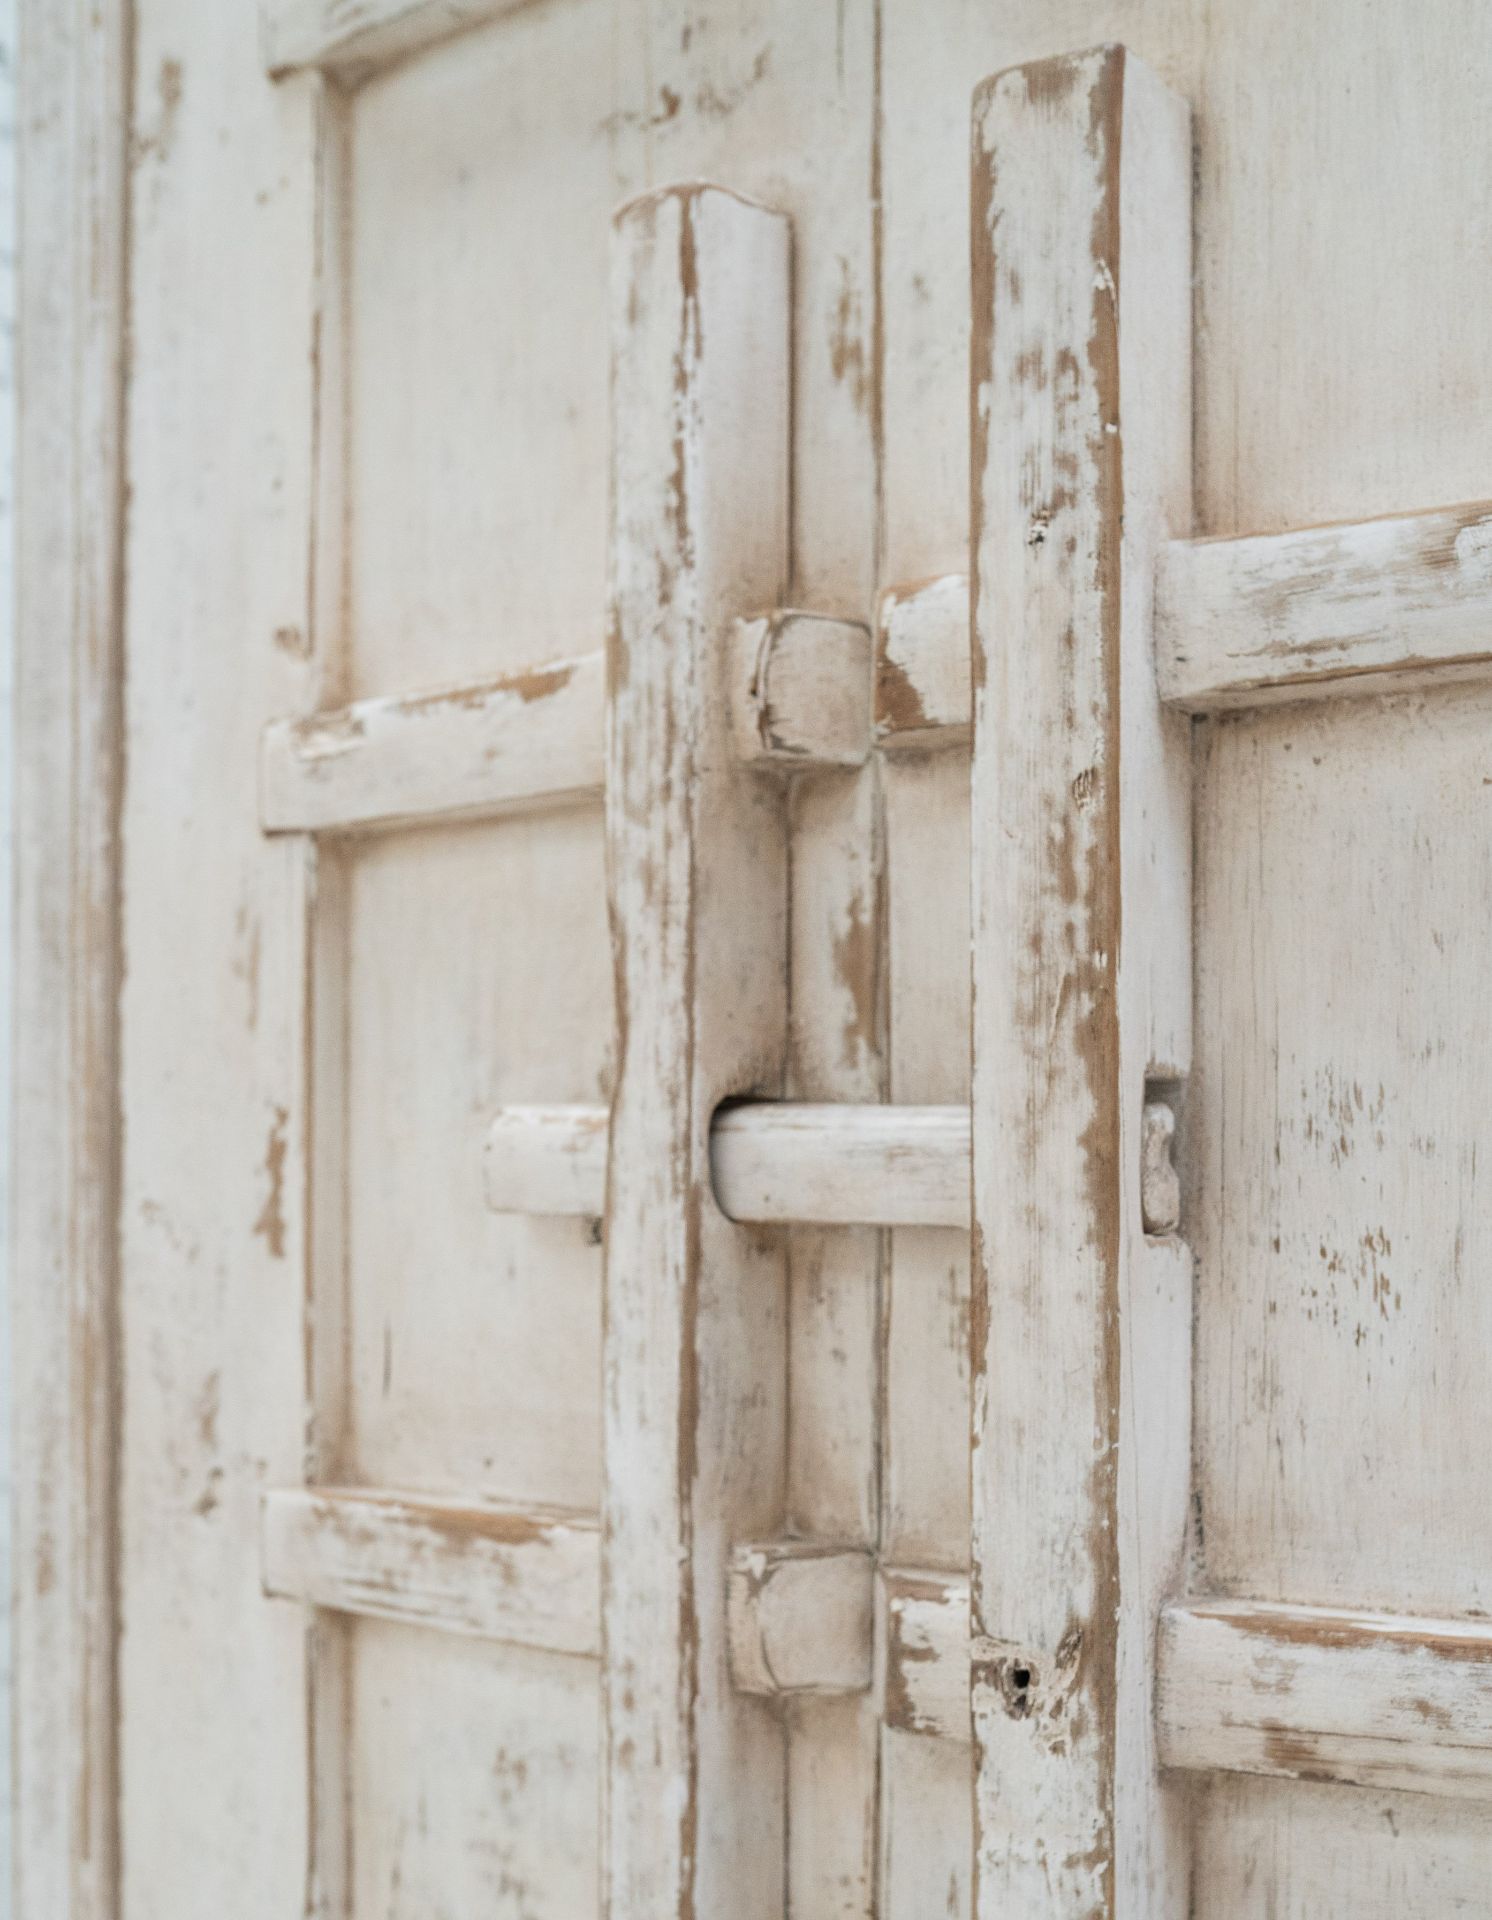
(500, 1533)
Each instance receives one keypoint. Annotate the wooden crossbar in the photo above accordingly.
(529, 1576)
(800, 1615)
(1312, 1693)
(1373, 606)
(1370, 606)
(805, 691)
(1388, 1701)
(772, 1163)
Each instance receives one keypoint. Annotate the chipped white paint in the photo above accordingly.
(799, 1619)
(1372, 606)
(693, 1813)
(529, 739)
(354, 38)
(63, 1189)
(922, 695)
(771, 1162)
(800, 691)
(548, 1160)
(1082, 170)
(529, 1577)
(925, 1637)
(1387, 1701)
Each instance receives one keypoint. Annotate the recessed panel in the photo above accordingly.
(479, 975)
(1341, 1142)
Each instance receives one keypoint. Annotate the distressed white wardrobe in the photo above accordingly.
(641, 695)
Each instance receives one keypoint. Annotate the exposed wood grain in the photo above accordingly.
(922, 691)
(530, 1577)
(925, 1642)
(1081, 903)
(772, 1162)
(693, 1814)
(801, 690)
(525, 740)
(354, 38)
(1386, 1701)
(799, 1618)
(63, 1190)
(1372, 606)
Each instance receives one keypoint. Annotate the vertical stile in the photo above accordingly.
(319, 934)
(1081, 883)
(694, 1353)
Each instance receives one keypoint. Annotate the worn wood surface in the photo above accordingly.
(528, 1577)
(770, 1162)
(799, 1619)
(1313, 1693)
(1373, 606)
(525, 740)
(922, 692)
(461, 969)
(62, 1271)
(1081, 898)
(693, 1814)
(354, 38)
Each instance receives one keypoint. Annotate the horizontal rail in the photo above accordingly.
(526, 740)
(530, 1577)
(774, 1163)
(354, 38)
(799, 1615)
(1373, 606)
(1311, 1693)
(800, 692)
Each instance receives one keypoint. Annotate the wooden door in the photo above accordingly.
(750, 976)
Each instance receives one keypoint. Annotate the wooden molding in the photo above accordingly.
(353, 39)
(73, 134)
(772, 1163)
(1315, 1693)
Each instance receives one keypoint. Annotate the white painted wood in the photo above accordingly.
(801, 691)
(843, 1165)
(1386, 1701)
(923, 696)
(524, 740)
(68, 670)
(548, 1160)
(1081, 417)
(223, 1801)
(799, 1619)
(926, 1826)
(771, 1163)
(531, 1578)
(925, 1641)
(693, 1813)
(354, 38)
(1372, 606)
